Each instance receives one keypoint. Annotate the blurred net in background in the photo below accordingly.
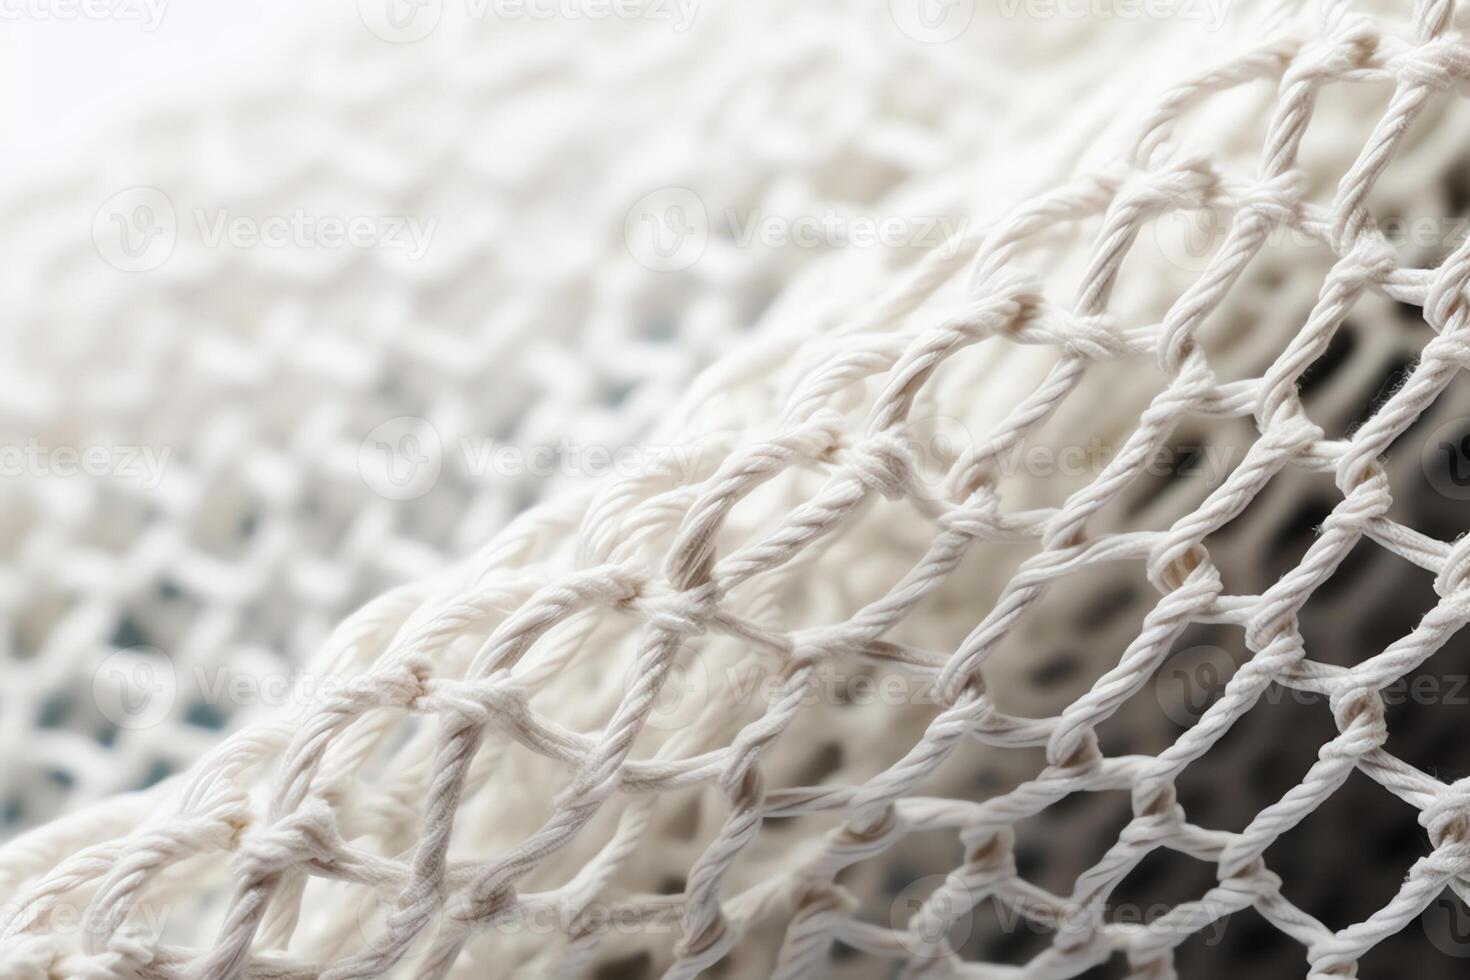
(1067, 585)
(252, 386)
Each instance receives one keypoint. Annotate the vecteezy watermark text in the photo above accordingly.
(669, 229)
(1192, 679)
(1190, 239)
(137, 230)
(302, 229)
(934, 914)
(942, 21)
(141, 921)
(1210, 13)
(407, 21)
(404, 457)
(144, 465)
(147, 14)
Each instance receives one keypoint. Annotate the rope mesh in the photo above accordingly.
(628, 678)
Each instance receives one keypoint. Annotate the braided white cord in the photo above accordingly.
(601, 597)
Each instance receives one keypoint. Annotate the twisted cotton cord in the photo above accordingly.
(665, 560)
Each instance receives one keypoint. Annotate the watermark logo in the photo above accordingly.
(934, 444)
(1447, 924)
(949, 921)
(405, 457)
(401, 459)
(667, 230)
(302, 229)
(837, 229)
(1445, 458)
(407, 21)
(682, 696)
(135, 688)
(932, 21)
(1189, 239)
(135, 230)
(1191, 680)
(401, 21)
(949, 917)
(147, 14)
(1210, 13)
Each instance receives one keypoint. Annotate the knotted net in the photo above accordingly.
(771, 700)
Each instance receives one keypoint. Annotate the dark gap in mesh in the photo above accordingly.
(1106, 606)
(1060, 667)
(1397, 598)
(1260, 757)
(55, 711)
(1295, 535)
(1164, 879)
(1002, 935)
(1360, 558)
(1425, 712)
(1182, 458)
(827, 760)
(636, 967)
(1457, 188)
(1243, 944)
(686, 820)
(1323, 369)
(1409, 313)
(1391, 380)
(1310, 857)
(1433, 499)
(129, 633)
(1061, 842)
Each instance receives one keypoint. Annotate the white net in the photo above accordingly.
(890, 583)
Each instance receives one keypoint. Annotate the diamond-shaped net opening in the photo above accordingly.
(1032, 606)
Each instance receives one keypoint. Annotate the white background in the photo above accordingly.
(68, 79)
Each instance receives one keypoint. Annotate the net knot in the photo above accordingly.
(1274, 199)
(308, 834)
(1252, 880)
(1348, 43)
(1173, 564)
(1156, 799)
(1448, 818)
(1454, 574)
(1092, 338)
(683, 612)
(989, 850)
(883, 463)
(1445, 300)
(479, 701)
(1434, 65)
(873, 831)
(1175, 180)
(487, 904)
(1359, 712)
(1365, 486)
(1074, 748)
(1370, 260)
